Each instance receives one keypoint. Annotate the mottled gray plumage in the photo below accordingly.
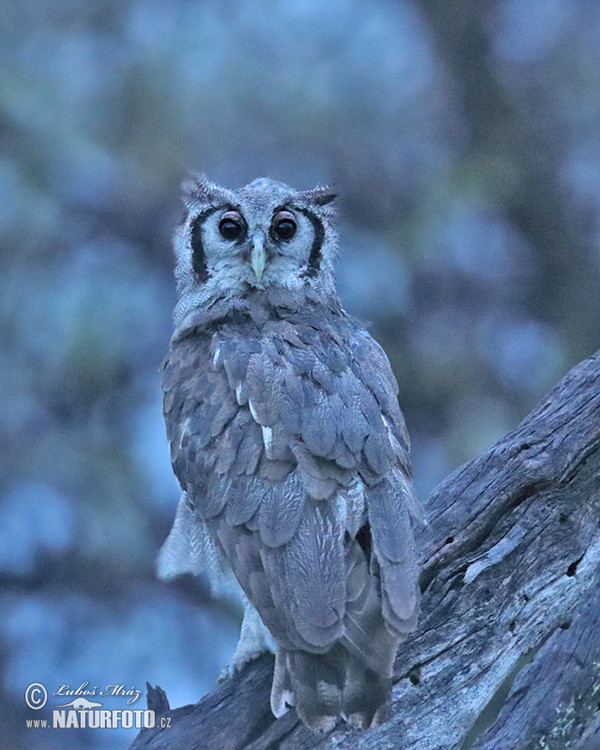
(290, 448)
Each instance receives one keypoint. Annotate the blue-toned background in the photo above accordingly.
(464, 140)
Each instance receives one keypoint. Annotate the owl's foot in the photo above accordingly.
(254, 640)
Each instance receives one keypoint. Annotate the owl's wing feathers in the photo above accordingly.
(294, 432)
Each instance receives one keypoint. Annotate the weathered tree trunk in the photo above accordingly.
(507, 652)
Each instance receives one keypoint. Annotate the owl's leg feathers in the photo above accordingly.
(255, 638)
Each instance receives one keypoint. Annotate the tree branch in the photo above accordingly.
(507, 651)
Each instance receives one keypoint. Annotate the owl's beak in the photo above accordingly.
(258, 256)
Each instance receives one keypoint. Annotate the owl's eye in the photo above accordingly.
(231, 225)
(284, 225)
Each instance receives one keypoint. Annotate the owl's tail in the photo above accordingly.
(326, 687)
(353, 678)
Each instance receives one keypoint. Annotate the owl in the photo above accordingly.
(291, 451)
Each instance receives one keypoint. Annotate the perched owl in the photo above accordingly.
(291, 451)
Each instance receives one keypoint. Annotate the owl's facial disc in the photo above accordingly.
(262, 235)
(235, 246)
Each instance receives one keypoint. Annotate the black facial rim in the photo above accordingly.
(198, 258)
(314, 259)
(201, 271)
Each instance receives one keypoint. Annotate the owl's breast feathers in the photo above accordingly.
(285, 432)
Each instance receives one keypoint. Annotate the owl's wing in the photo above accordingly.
(241, 479)
(392, 505)
(293, 450)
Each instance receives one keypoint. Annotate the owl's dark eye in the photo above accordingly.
(231, 225)
(284, 225)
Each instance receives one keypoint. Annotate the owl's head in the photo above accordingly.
(233, 242)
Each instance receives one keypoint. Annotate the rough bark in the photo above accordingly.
(507, 652)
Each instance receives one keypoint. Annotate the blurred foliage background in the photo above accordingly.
(464, 140)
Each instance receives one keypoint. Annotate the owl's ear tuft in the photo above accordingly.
(199, 189)
(320, 196)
